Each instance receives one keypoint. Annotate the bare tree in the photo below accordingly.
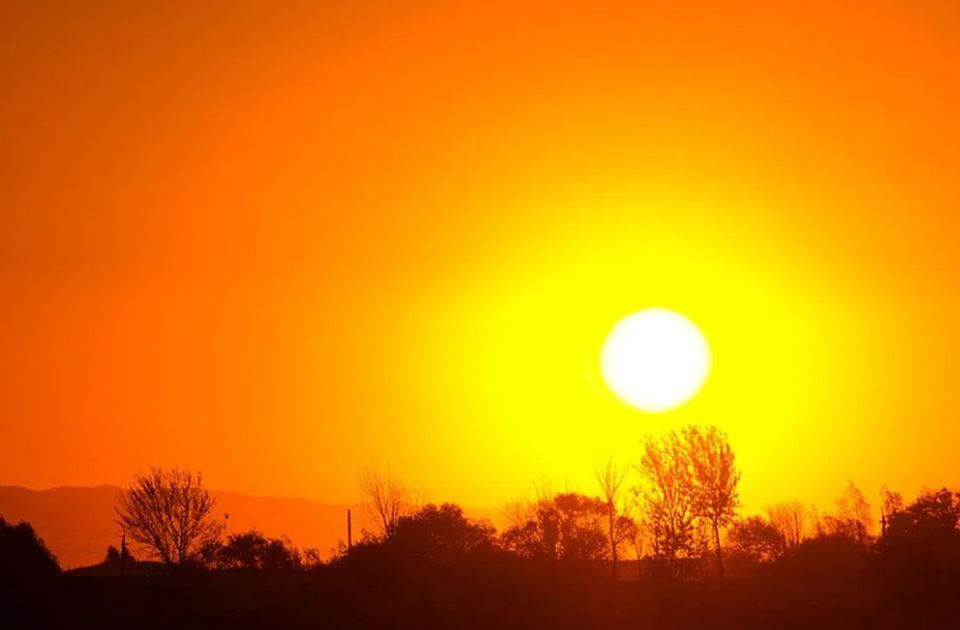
(791, 519)
(853, 518)
(390, 500)
(715, 478)
(516, 513)
(892, 504)
(611, 479)
(637, 541)
(170, 514)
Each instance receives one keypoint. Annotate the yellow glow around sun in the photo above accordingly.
(655, 359)
(520, 333)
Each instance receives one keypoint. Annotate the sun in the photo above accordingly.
(655, 359)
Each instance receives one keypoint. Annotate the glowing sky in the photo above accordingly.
(276, 241)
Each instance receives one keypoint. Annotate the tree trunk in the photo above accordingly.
(716, 538)
(613, 539)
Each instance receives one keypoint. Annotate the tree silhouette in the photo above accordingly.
(715, 479)
(114, 556)
(28, 571)
(620, 527)
(390, 500)
(892, 504)
(310, 558)
(918, 554)
(568, 527)
(757, 539)
(434, 538)
(852, 518)
(666, 494)
(933, 515)
(253, 550)
(441, 535)
(170, 514)
(790, 518)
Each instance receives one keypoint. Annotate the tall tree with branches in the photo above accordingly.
(170, 514)
(665, 493)
(715, 478)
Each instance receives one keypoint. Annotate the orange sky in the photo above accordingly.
(278, 241)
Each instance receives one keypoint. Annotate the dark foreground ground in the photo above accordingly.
(459, 599)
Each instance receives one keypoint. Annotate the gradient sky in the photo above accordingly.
(277, 241)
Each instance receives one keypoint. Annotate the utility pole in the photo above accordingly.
(349, 531)
(123, 554)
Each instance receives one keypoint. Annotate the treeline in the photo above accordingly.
(667, 526)
(684, 499)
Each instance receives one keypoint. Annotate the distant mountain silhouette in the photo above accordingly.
(78, 523)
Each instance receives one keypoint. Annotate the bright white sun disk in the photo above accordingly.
(655, 359)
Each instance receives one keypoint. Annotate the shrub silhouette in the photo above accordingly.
(918, 556)
(253, 550)
(827, 563)
(29, 573)
(568, 527)
(434, 535)
(757, 540)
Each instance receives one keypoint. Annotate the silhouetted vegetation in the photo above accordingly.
(433, 566)
(433, 536)
(253, 550)
(567, 527)
(918, 556)
(689, 485)
(388, 497)
(29, 574)
(757, 540)
(791, 520)
(621, 528)
(170, 514)
(116, 556)
(715, 479)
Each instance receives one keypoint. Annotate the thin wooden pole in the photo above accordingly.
(349, 531)
(123, 554)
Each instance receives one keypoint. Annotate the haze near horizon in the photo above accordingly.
(276, 245)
